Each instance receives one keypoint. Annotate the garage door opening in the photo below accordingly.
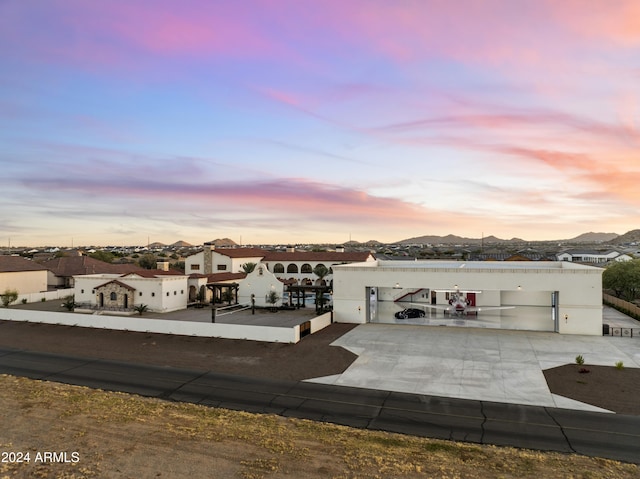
(432, 306)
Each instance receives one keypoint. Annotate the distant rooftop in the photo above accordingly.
(473, 265)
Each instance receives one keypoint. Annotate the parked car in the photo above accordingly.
(410, 313)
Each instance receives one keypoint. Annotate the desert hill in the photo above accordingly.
(453, 239)
(224, 242)
(181, 244)
(593, 238)
(632, 236)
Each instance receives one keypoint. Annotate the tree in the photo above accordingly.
(69, 303)
(9, 296)
(105, 256)
(321, 271)
(623, 278)
(141, 308)
(248, 267)
(179, 265)
(148, 261)
(272, 299)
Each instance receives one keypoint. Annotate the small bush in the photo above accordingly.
(9, 296)
(584, 371)
(619, 365)
(579, 360)
(43, 299)
(24, 300)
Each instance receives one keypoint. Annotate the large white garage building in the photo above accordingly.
(542, 296)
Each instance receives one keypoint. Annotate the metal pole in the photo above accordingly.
(213, 314)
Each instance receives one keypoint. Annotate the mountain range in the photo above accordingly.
(591, 237)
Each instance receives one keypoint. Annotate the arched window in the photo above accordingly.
(113, 296)
(292, 268)
(306, 268)
(278, 268)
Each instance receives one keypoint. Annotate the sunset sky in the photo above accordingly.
(291, 121)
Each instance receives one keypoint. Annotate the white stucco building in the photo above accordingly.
(295, 267)
(546, 296)
(261, 283)
(160, 291)
(593, 257)
(223, 260)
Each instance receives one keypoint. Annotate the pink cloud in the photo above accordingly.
(292, 199)
(500, 119)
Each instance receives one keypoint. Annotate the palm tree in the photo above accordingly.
(141, 308)
(248, 267)
(320, 271)
(69, 303)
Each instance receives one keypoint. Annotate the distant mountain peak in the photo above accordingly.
(223, 242)
(181, 244)
(453, 239)
(592, 237)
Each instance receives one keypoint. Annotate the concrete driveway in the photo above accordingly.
(468, 363)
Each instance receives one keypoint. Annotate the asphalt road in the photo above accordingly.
(606, 435)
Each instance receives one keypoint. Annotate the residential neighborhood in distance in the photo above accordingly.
(100, 274)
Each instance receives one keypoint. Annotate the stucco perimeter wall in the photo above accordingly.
(132, 323)
(49, 295)
(579, 287)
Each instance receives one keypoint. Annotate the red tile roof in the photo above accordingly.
(13, 264)
(241, 252)
(221, 277)
(153, 273)
(78, 265)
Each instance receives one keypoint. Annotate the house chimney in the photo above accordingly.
(340, 249)
(291, 249)
(208, 257)
(162, 265)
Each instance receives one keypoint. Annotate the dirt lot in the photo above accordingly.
(115, 435)
(311, 357)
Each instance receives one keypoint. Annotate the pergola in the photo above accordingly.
(218, 290)
(300, 290)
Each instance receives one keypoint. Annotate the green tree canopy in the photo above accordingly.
(623, 278)
(8, 297)
(102, 256)
(321, 271)
(148, 261)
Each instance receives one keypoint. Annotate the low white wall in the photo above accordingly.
(321, 322)
(187, 328)
(47, 295)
